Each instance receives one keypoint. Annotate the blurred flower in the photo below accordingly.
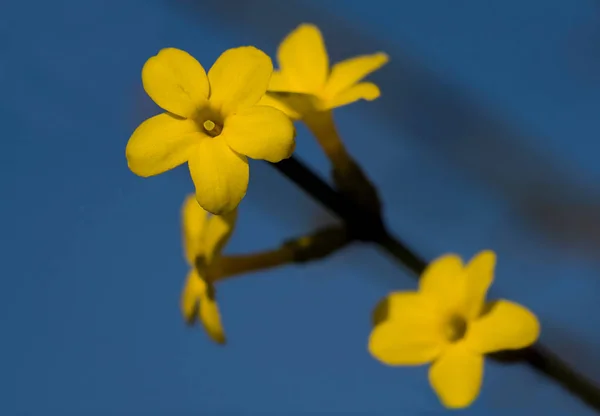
(212, 122)
(305, 88)
(304, 82)
(448, 323)
(204, 237)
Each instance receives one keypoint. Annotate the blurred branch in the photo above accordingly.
(368, 226)
(362, 224)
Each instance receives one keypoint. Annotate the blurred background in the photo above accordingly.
(485, 136)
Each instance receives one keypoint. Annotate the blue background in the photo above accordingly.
(485, 136)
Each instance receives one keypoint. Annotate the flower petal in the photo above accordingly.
(479, 277)
(363, 91)
(409, 333)
(444, 281)
(219, 174)
(210, 316)
(161, 143)
(506, 326)
(347, 73)
(277, 101)
(239, 78)
(456, 376)
(190, 296)
(198, 301)
(260, 132)
(175, 81)
(403, 345)
(194, 224)
(280, 83)
(295, 105)
(303, 59)
(399, 305)
(218, 230)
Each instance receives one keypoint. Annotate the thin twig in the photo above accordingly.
(368, 226)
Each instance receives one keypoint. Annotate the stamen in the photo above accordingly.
(209, 125)
(211, 128)
(456, 328)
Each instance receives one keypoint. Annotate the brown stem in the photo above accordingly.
(300, 250)
(347, 175)
(228, 266)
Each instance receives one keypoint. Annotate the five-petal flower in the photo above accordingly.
(212, 121)
(204, 237)
(448, 323)
(305, 82)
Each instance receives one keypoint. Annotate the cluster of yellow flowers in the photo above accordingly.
(243, 108)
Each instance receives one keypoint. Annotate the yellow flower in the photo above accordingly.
(212, 122)
(304, 72)
(204, 237)
(447, 322)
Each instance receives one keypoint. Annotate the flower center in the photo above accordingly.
(455, 328)
(211, 128)
(209, 121)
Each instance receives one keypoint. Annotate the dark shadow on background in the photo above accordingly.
(423, 104)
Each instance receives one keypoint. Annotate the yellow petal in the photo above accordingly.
(273, 100)
(444, 281)
(190, 296)
(209, 315)
(410, 334)
(260, 132)
(176, 81)
(399, 305)
(456, 376)
(296, 105)
(161, 143)
(219, 174)
(506, 326)
(363, 91)
(303, 59)
(280, 83)
(479, 277)
(218, 230)
(198, 301)
(239, 78)
(395, 344)
(194, 224)
(381, 311)
(347, 73)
